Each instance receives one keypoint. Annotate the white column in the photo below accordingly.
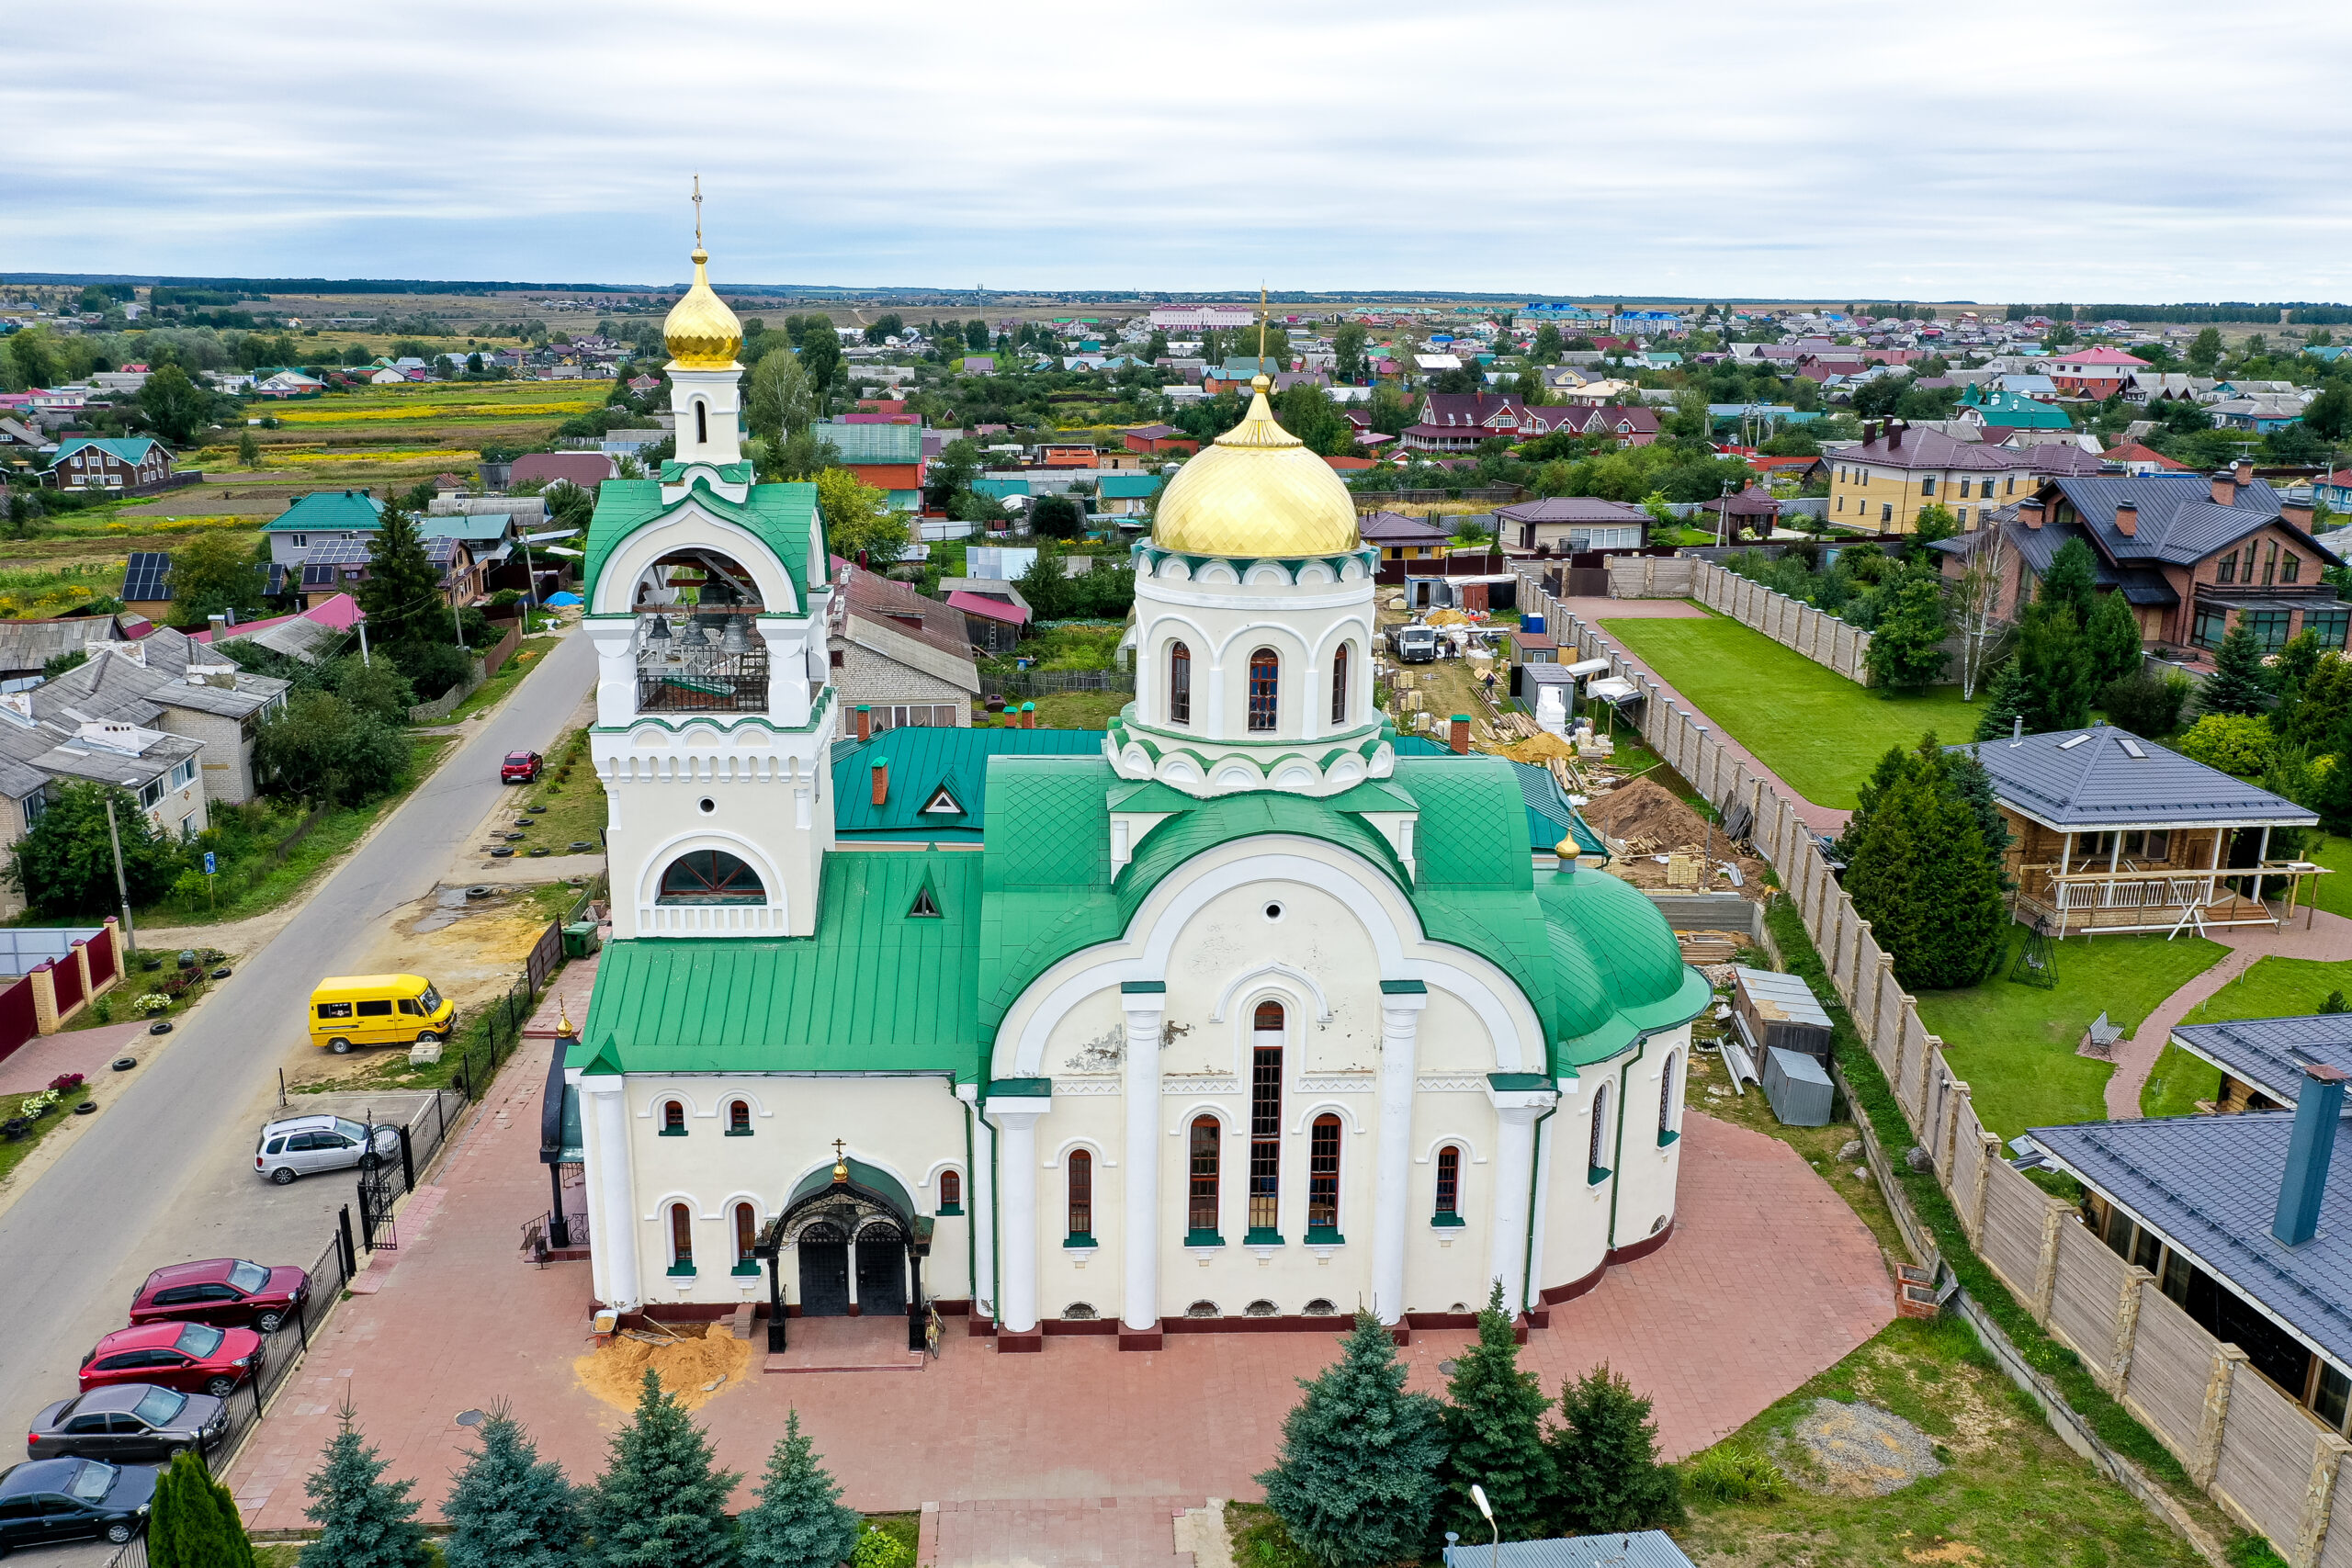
(1547, 1139)
(614, 638)
(1143, 1001)
(1016, 1123)
(1514, 1178)
(613, 1244)
(1401, 1003)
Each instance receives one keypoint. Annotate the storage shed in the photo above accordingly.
(1778, 1011)
(1798, 1088)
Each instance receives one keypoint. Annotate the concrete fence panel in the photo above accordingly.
(2089, 1288)
(2172, 1361)
(2011, 1245)
(2268, 1446)
(2335, 1543)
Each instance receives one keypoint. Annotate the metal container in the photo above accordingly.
(1779, 1011)
(1798, 1088)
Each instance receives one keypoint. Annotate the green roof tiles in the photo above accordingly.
(329, 511)
(782, 516)
(923, 761)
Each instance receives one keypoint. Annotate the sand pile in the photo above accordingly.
(687, 1368)
(1859, 1450)
(1646, 809)
(1539, 750)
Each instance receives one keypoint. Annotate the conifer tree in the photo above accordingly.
(1605, 1452)
(1906, 649)
(798, 1521)
(2003, 703)
(2237, 684)
(2053, 675)
(2071, 580)
(1494, 1431)
(364, 1520)
(1357, 1479)
(2112, 641)
(1920, 869)
(662, 1503)
(402, 592)
(508, 1507)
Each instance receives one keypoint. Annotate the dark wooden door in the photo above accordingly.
(881, 1272)
(824, 1272)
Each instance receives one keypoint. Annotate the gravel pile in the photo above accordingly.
(1860, 1451)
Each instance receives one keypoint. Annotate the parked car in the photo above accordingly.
(228, 1292)
(520, 767)
(378, 1009)
(128, 1421)
(194, 1358)
(298, 1146)
(44, 1500)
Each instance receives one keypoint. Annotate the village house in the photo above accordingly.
(1400, 538)
(179, 686)
(324, 517)
(132, 465)
(1571, 524)
(1883, 483)
(2261, 1060)
(2095, 373)
(899, 658)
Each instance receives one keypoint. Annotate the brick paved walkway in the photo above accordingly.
(2311, 934)
(1768, 1280)
(1093, 1533)
(85, 1051)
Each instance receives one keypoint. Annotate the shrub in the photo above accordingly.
(1733, 1472)
(65, 1083)
(877, 1548)
(2236, 743)
(2148, 704)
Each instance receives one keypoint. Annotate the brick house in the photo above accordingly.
(1882, 484)
(901, 659)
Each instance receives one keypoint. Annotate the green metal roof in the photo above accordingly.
(876, 1182)
(131, 449)
(2015, 409)
(329, 511)
(924, 761)
(1549, 813)
(1130, 486)
(873, 443)
(781, 515)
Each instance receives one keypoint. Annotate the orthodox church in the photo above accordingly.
(1242, 1013)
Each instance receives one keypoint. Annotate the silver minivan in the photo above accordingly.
(298, 1145)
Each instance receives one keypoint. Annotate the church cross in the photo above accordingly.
(698, 212)
(837, 1151)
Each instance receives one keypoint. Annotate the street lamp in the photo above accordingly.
(1494, 1548)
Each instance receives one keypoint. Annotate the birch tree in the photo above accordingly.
(1977, 608)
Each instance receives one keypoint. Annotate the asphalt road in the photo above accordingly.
(166, 1173)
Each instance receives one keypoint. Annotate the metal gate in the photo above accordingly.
(881, 1271)
(824, 1272)
(378, 1190)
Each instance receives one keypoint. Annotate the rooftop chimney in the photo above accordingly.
(2127, 518)
(2309, 1152)
(2298, 512)
(1460, 737)
(2244, 470)
(1028, 716)
(2029, 512)
(1894, 428)
(881, 780)
(2225, 488)
(2016, 729)
(865, 722)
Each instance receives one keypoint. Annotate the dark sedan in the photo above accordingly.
(127, 1421)
(46, 1500)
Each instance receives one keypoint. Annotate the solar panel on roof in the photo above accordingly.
(318, 576)
(336, 552)
(148, 576)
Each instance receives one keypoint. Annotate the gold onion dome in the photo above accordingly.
(1257, 491)
(701, 332)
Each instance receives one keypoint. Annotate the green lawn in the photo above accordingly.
(2014, 1044)
(1815, 728)
(2176, 1083)
(2332, 894)
(2271, 988)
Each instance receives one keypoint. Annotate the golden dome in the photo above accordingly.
(1257, 491)
(701, 332)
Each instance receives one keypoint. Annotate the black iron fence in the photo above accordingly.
(281, 1351)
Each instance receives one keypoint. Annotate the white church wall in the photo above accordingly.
(1647, 1174)
(769, 803)
(1455, 1040)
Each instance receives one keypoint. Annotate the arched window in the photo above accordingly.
(1179, 683)
(1081, 1197)
(1265, 681)
(951, 1193)
(739, 1117)
(711, 876)
(1207, 1144)
(701, 422)
(1323, 1177)
(1666, 1100)
(1449, 1187)
(682, 1239)
(674, 1119)
(1266, 1120)
(747, 1235)
(1339, 684)
(1596, 1172)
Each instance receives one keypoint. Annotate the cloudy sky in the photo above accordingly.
(2085, 150)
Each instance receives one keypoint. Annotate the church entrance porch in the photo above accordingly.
(882, 1272)
(824, 1272)
(870, 1344)
(852, 1244)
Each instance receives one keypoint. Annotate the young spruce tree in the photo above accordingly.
(1358, 1477)
(2112, 641)
(364, 1520)
(1494, 1430)
(508, 1507)
(1605, 1451)
(2053, 671)
(2238, 684)
(798, 1521)
(2003, 703)
(660, 1503)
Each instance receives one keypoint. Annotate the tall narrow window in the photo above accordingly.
(682, 1239)
(1179, 683)
(1666, 1129)
(1207, 1144)
(1596, 1171)
(702, 425)
(951, 1193)
(1266, 1120)
(2228, 570)
(739, 1119)
(674, 1119)
(1265, 679)
(1339, 684)
(1082, 1195)
(747, 1233)
(1323, 1177)
(1449, 1186)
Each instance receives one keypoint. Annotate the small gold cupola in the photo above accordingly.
(702, 333)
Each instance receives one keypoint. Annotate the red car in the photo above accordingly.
(194, 1358)
(520, 767)
(227, 1291)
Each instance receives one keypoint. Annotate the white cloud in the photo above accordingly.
(2093, 150)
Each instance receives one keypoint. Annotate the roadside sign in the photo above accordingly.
(207, 863)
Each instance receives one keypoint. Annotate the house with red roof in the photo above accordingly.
(2093, 372)
(2140, 461)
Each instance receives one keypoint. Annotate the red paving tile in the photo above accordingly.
(1768, 1280)
(85, 1051)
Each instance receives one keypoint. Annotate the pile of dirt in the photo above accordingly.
(695, 1371)
(1646, 809)
(1859, 1450)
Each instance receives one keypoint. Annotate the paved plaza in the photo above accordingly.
(1769, 1279)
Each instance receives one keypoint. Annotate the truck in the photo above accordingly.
(1414, 644)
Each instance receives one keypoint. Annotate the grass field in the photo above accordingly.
(1818, 730)
(2270, 988)
(2014, 1044)
(2333, 893)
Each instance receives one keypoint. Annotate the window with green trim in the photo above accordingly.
(1449, 1187)
(1668, 1100)
(747, 1234)
(739, 1117)
(1323, 1177)
(1082, 1196)
(682, 1239)
(1597, 1150)
(1205, 1151)
(674, 1119)
(951, 1193)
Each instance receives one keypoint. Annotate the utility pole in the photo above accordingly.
(122, 887)
(364, 659)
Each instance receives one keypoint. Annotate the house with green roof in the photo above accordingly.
(1232, 1016)
(129, 465)
(2011, 410)
(323, 517)
(1127, 495)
